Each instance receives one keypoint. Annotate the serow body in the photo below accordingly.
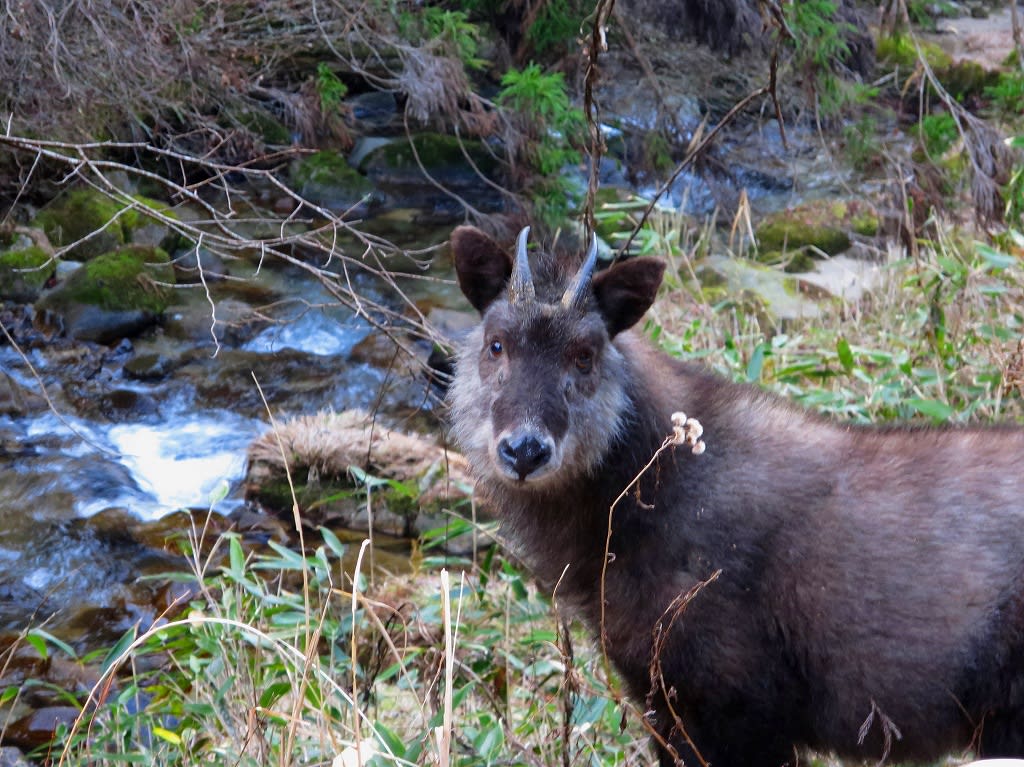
(801, 584)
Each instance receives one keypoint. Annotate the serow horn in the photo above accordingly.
(577, 290)
(520, 284)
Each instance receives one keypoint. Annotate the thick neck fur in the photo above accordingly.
(561, 529)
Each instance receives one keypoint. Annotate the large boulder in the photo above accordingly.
(94, 223)
(114, 295)
(326, 179)
(820, 226)
(416, 174)
(26, 265)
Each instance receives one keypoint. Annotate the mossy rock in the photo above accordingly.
(145, 230)
(793, 262)
(25, 267)
(899, 50)
(265, 125)
(78, 214)
(114, 295)
(127, 278)
(325, 178)
(83, 212)
(443, 157)
(966, 79)
(820, 225)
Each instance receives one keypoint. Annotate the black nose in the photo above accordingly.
(524, 454)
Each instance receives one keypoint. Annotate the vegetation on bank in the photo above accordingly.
(279, 658)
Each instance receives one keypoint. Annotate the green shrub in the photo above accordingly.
(938, 133)
(549, 125)
(1008, 94)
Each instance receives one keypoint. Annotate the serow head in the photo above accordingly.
(540, 389)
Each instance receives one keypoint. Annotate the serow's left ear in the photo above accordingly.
(625, 292)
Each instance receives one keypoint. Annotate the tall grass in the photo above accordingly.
(939, 339)
(460, 667)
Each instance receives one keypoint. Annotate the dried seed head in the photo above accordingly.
(687, 431)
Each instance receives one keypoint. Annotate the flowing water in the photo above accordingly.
(88, 488)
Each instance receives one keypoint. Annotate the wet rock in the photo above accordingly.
(148, 367)
(18, 599)
(375, 111)
(410, 174)
(39, 727)
(198, 265)
(823, 226)
(113, 405)
(114, 295)
(17, 400)
(23, 663)
(326, 179)
(94, 223)
(144, 224)
(26, 265)
(12, 757)
(193, 320)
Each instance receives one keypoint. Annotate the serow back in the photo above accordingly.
(784, 582)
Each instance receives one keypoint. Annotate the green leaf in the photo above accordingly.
(220, 492)
(39, 638)
(236, 557)
(845, 354)
(333, 543)
(994, 258)
(938, 411)
(391, 742)
(118, 649)
(39, 643)
(171, 737)
(756, 363)
(273, 693)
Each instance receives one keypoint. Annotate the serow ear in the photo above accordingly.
(481, 266)
(626, 291)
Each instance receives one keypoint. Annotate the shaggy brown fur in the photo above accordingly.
(324, 446)
(869, 598)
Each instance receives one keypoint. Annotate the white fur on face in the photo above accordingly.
(595, 420)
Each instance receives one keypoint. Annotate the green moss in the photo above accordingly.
(657, 152)
(899, 50)
(124, 279)
(82, 212)
(23, 272)
(822, 224)
(966, 79)
(78, 214)
(865, 224)
(784, 233)
(326, 167)
(435, 150)
(265, 126)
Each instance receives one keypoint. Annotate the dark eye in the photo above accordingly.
(496, 349)
(584, 362)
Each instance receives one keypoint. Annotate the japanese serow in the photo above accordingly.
(782, 583)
